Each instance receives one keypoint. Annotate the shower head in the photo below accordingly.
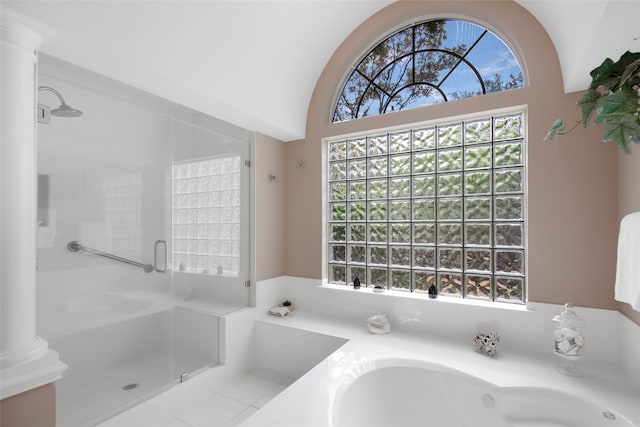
(64, 110)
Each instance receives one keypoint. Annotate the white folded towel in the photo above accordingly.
(628, 265)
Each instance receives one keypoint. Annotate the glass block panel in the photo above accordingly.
(357, 233)
(424, 162)
(510, 262)
(477, 131)
(378, 211)
(509, 234)
(401, 233)
(359, 272)
(477, 157)
(477, 286)
(377, 167)
(400, 210)
(424, 257)
(378, 145)
(477, 234)
(357, 253)
(400, 187)
(450, 209)
(424, 139)
(424, 186)
(508, 127)
(400, 164)
(337, 150)
(510, 289)
(422, 280)
(338, 191)
(477, 208)
(509, 207)
(337, 253)
(338, 232)
(357, 190)
(450, 283)
(378, 277)
(401, 280)
(450, 185)
(401, 255)
(450, 258)
(377, 255)
(450, 234)
(377, 232)
(478, 259)
(338, 170)
(357, 148)
(424, 234)
(357, 211)
(509, 181)
(450, 160)
(477, 183)
(508, 154)
(450, 135)
(337, 274)
(378, 189)
(401, 142)
(356, 169)
(338, 212)
(424, 209)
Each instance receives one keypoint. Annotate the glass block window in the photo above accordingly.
(439, 205)
(206, 216)
(428, 63)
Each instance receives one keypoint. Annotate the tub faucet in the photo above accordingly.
(487, 344)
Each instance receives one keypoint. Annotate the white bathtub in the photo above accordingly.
(406, 393)
(398, 381)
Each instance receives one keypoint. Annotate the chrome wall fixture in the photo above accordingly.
(74, 246)
(64, 110)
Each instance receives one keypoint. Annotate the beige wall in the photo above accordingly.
(269, 211)
(629, 201)
(33, 408)
(572, 214)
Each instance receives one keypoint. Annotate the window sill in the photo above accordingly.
(440, 299)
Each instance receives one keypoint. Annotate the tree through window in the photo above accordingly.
(428, 63)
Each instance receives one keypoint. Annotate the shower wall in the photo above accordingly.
(108, 180)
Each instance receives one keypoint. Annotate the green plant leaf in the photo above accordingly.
(588, 103)
(608, 73)
(619, 104)
(622, 132)
(631, 72)
(557, 126)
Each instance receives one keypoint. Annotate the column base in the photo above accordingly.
(42, 367)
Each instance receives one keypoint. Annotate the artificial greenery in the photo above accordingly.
(614, 97)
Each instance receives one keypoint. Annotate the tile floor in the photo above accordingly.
(82, 396)
(231, 404)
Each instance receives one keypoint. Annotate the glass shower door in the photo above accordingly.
(103, 201)
(210, 235)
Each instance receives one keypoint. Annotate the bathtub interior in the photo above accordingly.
(397, 394)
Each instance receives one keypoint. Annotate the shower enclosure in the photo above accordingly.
(143, 239)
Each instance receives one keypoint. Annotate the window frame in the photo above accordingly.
(463, 247)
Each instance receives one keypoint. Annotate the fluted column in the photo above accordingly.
(20, 349)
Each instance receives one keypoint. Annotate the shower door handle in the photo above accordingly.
(155, 256)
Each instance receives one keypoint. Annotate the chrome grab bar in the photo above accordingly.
(75, 247)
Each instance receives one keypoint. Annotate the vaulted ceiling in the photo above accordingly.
(256, 63)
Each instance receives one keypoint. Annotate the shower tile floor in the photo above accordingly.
(80, 397)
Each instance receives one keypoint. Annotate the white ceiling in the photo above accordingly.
(256, 63)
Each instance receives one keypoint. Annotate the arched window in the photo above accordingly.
(428, 63)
